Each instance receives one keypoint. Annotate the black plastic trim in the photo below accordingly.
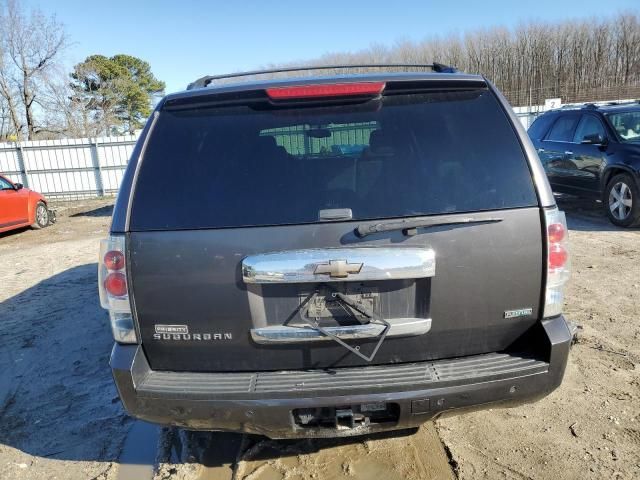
(291, 384)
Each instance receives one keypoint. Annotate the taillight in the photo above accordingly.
(116, 284)
(114, 260)
(326, 90)
(113, 289)
(558, 257)
(558, 268)
(556, 232)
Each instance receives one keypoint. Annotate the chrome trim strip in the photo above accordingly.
(400, 327)
(351, 265)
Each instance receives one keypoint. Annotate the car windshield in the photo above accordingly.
(627, 125)
(5, 185)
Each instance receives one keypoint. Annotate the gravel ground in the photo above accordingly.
(60, 417)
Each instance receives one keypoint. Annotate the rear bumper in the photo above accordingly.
(262, 403)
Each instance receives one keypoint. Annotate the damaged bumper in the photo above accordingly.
(341, 402)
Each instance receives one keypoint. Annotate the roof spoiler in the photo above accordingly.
(207, 80)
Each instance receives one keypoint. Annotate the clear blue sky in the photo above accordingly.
(185, 39)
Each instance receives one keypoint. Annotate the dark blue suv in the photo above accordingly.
(594, 151)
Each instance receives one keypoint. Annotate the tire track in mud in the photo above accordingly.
(400, 455)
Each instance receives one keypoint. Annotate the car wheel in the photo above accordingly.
(622, 200)
(42, 216)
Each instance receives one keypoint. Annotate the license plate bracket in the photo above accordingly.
(325, 305)
(369, 316)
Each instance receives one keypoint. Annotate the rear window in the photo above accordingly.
(540, 126)
(399, 156)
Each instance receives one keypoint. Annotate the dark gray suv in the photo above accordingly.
(333, 256)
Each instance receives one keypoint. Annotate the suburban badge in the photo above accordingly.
(521, 312)
(181, 332)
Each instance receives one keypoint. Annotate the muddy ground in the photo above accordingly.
(60, 417)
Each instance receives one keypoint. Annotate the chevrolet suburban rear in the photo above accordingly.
(332, 256)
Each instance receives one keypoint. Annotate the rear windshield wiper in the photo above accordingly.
(409, 227)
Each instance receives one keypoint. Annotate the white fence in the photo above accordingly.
(68, 168)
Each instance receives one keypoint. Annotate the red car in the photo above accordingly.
(21, 207)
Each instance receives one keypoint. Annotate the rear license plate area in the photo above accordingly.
(273, 305)
(324, 305)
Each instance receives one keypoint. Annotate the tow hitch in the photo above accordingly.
(347, 416)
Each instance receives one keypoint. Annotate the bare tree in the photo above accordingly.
(8, 95)
(576, 60)
(61, 113)
(31, 45)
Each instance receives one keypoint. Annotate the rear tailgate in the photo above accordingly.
(234, 264)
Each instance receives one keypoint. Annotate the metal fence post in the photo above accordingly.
(95, 158)
(21, 165)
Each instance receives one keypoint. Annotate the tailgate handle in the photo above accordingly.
(339, 265)
(376, 328)
(282, 334)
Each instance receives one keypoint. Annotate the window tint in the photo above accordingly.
(404, 155)
(562, 130)
(540, 126)
(589, 125)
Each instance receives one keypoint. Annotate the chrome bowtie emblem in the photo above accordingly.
(337, 268)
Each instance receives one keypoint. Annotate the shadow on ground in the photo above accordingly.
(57, 399)
(105, 211)
(585, 214)
(12, 233)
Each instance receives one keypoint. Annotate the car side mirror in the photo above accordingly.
(18, 186)
(595, 139)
